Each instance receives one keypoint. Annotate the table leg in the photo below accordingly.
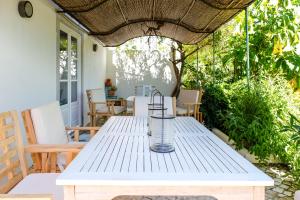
(69, 193)
(258, 193)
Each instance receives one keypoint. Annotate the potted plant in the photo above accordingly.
(112, 90)
(108, 82)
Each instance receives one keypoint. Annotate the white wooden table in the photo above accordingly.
(117, 161)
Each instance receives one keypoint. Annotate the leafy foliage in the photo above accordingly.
(274, 32)
(256, 119)
(214, 103)
(294, 145)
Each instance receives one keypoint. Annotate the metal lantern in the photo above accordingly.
(162, 132)
(155, 107)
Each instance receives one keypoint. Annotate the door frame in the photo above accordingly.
(61, 26)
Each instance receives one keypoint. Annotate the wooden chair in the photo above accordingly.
(14, 178)
(188, 103)
(141, 105)
(100, 107)
(44, 125)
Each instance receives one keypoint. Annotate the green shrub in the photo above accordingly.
(258, 119)
(251, 123)
(293, 148)
(214, 103)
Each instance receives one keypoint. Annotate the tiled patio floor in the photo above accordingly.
(284, 188)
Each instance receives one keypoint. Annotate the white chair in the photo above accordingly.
(14, 179)
(188, 103)
(100, 107)
(130, 105)
(143, 90)
(297, 195)
(44, 125)
(141, 105)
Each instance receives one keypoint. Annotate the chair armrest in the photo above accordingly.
(95, 102)
(85, 128)
(53, 148)
(48, 155)
(92, 131)
(110, 103)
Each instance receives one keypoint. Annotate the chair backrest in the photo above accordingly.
(143, 90)
(96, 95)
(188, 96)
(141, 105)
(12, 160)
(47, 124)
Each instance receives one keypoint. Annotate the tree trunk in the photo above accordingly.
(178, 73)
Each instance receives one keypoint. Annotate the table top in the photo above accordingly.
(119, 154)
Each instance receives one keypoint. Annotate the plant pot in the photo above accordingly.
(111, 93)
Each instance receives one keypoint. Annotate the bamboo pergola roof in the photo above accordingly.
(114, 22)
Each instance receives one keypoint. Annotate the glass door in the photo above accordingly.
(69, 83)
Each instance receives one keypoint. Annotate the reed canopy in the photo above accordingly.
(114, 22)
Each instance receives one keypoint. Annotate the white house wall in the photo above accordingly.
(94, 70)
(28, 57)
(163, 77)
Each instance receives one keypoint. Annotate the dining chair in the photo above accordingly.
(297, 195)
(45, 125)
(188, 103)
(100, 107)
(141, 105)
(15, 180)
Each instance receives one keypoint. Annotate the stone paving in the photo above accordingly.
(284, 188)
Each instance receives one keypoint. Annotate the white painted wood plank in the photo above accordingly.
(176, 163)
(186, 126)
(93, 154)
(113, 124)
(134, 155)
(199, 157)
(190, 155)
(161, 163)
(140, 154)
(226, 157)
(154, 161)
(191, 122)
(216, 156)
(205, 156)
(127, 156)
(147, 157)
(108, 165)
(120, 158)
(102, 153)
(188, 165)
(169, 163)
(246, 165)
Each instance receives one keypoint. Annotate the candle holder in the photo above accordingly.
(162, 133)
(155, 107)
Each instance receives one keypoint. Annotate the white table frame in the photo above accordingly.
(98, 172)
